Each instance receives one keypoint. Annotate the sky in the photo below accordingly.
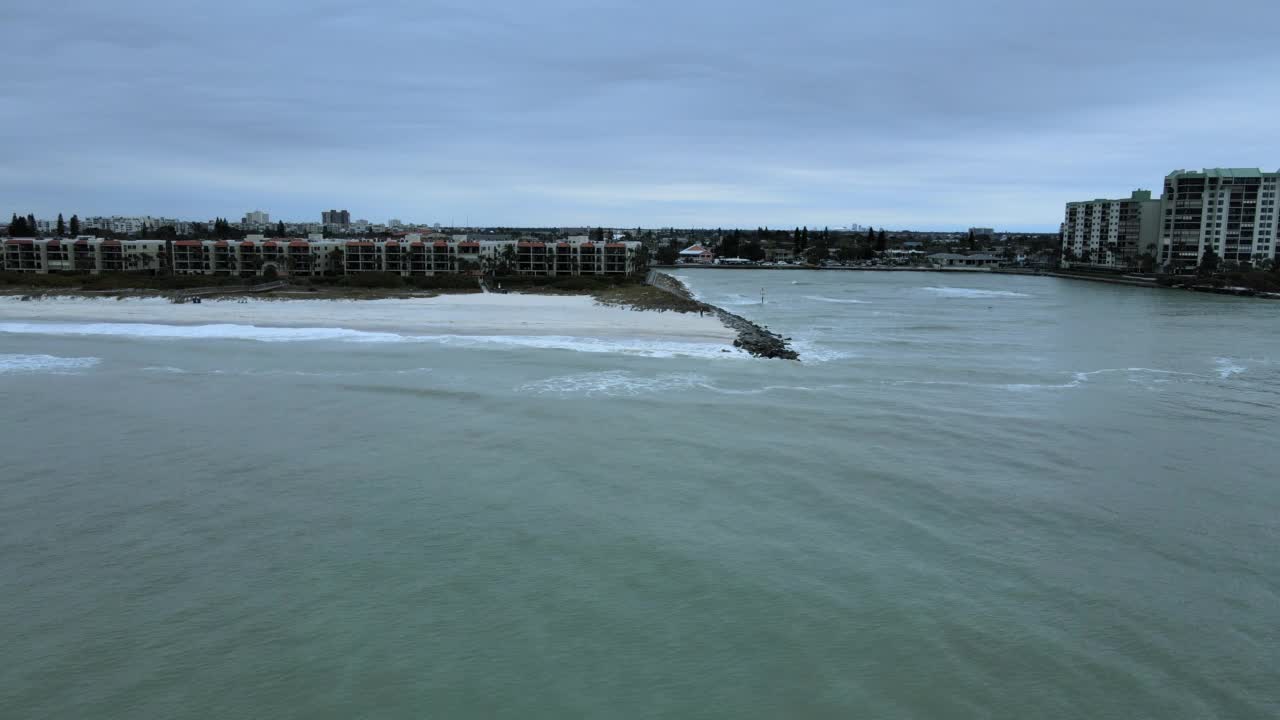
(921, 114)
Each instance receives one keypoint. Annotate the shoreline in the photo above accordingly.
(476, 315)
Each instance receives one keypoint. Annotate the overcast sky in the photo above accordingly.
(910, 113)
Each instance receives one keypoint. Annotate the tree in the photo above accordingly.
(753, 251)
(667, 254)
(62, 226)
(1209, 261)
(31, 224)
(18, 226)
(279, 228)
(871, 236)
(75, 225)
(882, 243)
(640, 260)
(730, 246)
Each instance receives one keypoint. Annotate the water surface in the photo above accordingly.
(978, 497)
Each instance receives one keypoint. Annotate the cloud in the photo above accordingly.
(922, 113)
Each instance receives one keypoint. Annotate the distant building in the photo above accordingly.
(958, 260)
(394, 223)
(697, 254)
(256, 217)
(978, 232)
(256, 256)
(1231, 210)
(1113, 233)
(335, 217)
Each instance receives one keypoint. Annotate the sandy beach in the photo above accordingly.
(461, 315)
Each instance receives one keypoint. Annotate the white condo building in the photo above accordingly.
(1231, 210)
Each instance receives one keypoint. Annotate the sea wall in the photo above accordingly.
(751, 337)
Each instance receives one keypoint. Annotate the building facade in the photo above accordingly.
(1229, 210)
(335, 217)
(1111, 233)
(256, 217)
(414, 255)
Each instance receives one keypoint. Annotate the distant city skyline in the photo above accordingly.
(929, 114)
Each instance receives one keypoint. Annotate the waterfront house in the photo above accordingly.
(697, 254)
(958, 260)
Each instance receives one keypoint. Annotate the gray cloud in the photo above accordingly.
(920, 113)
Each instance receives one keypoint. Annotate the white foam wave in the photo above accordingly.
(627, 346)
(643, 348)
(621, 383)
(812, 352)
(200, 332)
(45, 363)
(611, 383)
(1228, 367)
(842, 301)
(955, 292)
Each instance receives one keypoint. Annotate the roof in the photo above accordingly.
(246, 244)
(527, 244)
(299, 243)
(694, 250)
(189, 243)
(1222, 172)
(19, 241)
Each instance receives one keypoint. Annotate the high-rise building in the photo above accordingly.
(256, 217)
(335, 217)
(1114, 233)
(1231, 210)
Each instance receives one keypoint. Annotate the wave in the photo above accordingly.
(199, 332)
(627, 346)
(612, 383)
(621, 383)
(1228, 367)
(842, 301)
(45, 363)
(954, 292)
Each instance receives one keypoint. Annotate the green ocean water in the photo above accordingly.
(977, 497)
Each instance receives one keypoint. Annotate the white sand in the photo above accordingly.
(488, 314)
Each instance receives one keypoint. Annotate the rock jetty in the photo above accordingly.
(751, 337)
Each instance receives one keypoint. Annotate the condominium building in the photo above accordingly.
(1231, 210)
(1113, 233)
(335, 217)
(256, 217)
(414, 255)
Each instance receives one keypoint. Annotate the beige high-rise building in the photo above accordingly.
(1112, 233)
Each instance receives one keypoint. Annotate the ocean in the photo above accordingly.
(977, 496)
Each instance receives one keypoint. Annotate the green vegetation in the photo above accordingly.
(120, 281)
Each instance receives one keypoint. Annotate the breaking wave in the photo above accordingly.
(842, 301)
(45, 363)
(627, 346)
(1228, 367)
(954, 292)
(621, 383)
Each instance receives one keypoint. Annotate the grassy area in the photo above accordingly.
(646, 297)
